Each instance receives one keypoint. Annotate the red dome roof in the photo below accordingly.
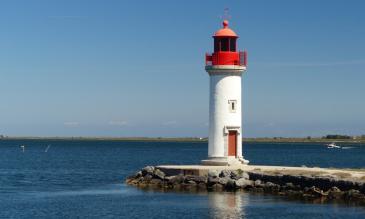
(225, 31)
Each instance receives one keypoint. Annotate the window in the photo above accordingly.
(224, 44)
(216, 45)
(232, 44)
(232, 105)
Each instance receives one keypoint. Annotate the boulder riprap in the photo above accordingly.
(308, 187)
(244, 183)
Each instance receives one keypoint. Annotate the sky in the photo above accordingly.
(136, 68)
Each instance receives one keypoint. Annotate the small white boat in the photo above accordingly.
(22, 147)
(333, 145)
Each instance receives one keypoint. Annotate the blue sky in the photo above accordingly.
(136, 68)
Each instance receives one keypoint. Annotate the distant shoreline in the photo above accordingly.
(165, 139)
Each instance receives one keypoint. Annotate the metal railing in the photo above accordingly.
(213, 59)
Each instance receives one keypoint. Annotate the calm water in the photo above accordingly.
(77, 179)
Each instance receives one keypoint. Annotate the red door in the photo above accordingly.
(232, 143)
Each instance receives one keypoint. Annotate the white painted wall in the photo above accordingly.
(225, 85)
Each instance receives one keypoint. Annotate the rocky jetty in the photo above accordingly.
(308, 187)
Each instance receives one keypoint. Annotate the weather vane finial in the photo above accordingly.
(226, 15)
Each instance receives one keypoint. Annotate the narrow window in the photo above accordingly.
(216, 45)
(232, 45)
(224, 44)
(232, 106)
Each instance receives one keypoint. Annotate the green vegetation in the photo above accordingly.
(338, 137)
(158, 139)
(324, 139)
(306, 139)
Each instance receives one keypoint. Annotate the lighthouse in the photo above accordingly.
(225, 67)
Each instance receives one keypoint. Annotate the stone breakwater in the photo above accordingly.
(299, 186)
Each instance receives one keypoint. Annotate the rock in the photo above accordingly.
(136, 181)
(230, 185)
(231, 180)
(282, 193)
(158, 174)
(175, 180)
(269, 184)
(213, 173)
(168, 178)
(258, 189)
(362, 189)
(293, 193)
(147, 170)
(188, 187)
(156, 181)
(335, 193)
(129, 180)
(212, 181)
(143, 184)
(137, 175)
(238, 174)
(202, 186)
(289, 186)
(217, 187)
(335, 189)
(225, 173)
(345, 185)
(133, 180)
(258, 183)
(223, 181)
(244, 183)
(314, 192)
(177, 187)
(147, 178)
(191, 182)
(197, 179)
(353, 194)
(271, 187)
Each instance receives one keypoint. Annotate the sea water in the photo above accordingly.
(85, 179)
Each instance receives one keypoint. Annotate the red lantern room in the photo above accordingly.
(225, 49)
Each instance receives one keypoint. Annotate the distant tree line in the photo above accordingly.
(362, 137)
(337, 137)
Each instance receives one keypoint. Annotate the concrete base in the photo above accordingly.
(224, 161)
(200, 170)
(195, 170)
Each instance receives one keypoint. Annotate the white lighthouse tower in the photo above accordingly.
(225, 67)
